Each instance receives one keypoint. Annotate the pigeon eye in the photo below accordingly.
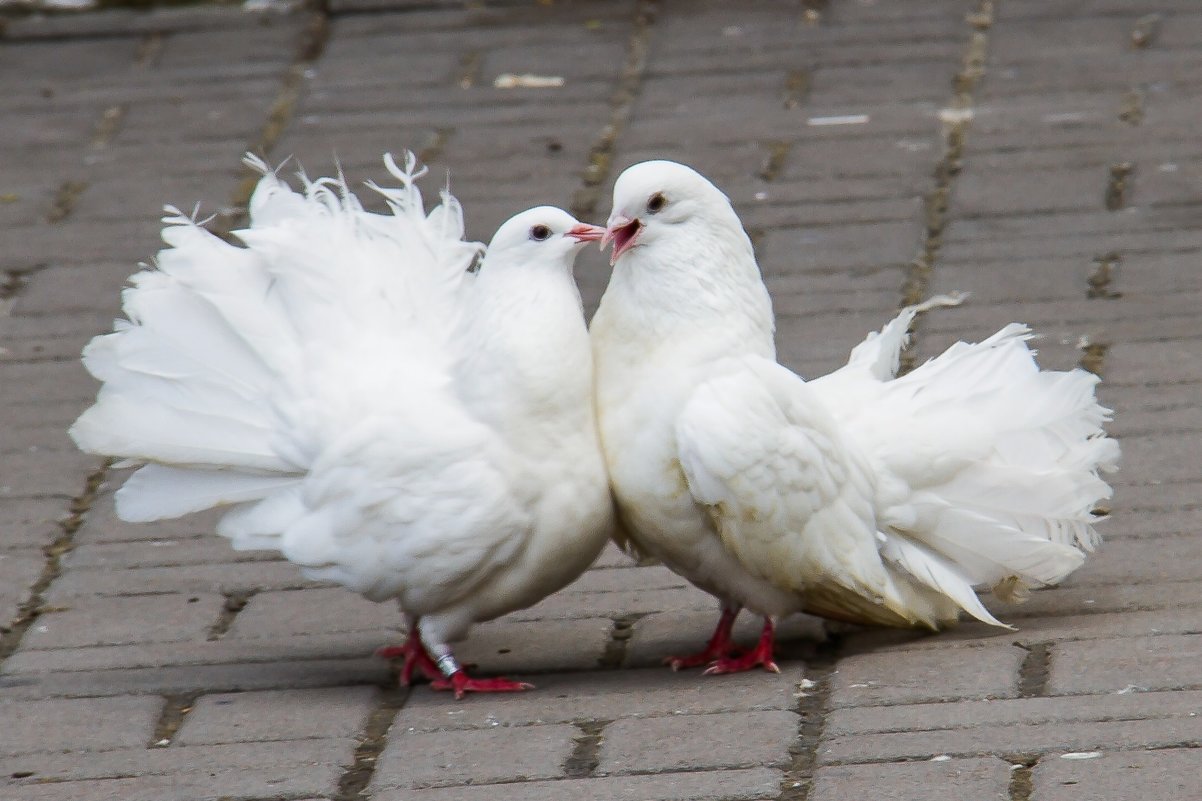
(540, 233)
(657, 202)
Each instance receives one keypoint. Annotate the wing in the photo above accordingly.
(788, 497)
(305, 376)
(796, 502)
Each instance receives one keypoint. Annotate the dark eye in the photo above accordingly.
(657, 202)
(539, 233)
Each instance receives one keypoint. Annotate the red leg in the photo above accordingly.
(718, 647)
(462, 683)
(761, 655)
(415, 656)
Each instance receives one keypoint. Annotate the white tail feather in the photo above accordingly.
(990, 468)
(236, 362)
(157, 492)
(880, 352)
(937, 572)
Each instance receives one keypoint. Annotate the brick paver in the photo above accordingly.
(1040, 154)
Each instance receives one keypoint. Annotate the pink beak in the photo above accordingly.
(586, 233)
(623, 232)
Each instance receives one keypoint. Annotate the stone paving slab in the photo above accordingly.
(753, 784)
(277, 715)
(414, 761)
(1039, 154)
(60, 724)
(1170, 773)
(165, 762)
(984, 779)
(283, 781)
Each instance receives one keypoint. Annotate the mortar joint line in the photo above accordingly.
(630, 80)
(813, 706)
(1021, 779)
(586, 749)
(235, 602)
(309, 49)
(35, 602)
(175, 710)
(355, 780)
(956, 118)
(614, 655)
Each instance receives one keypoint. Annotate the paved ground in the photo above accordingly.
(1043, 154)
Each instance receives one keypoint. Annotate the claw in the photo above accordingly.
(738, 665)
(706, 657)
(760, 656)
(415, 656)
(462, 683)
(719, 647)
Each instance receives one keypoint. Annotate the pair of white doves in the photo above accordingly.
(391, 419)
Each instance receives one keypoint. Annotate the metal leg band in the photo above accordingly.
(447, 664)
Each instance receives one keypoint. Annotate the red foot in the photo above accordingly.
(415, 656)
(461, 683)
(719, 647)
(761, 655)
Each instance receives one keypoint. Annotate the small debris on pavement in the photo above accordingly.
(508, 80)
(843, 119)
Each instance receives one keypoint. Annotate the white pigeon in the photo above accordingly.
(859, 496)
(370, 408)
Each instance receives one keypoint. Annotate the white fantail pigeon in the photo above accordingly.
(365, 404)
(859, 496)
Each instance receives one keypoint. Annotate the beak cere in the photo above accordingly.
(623, 233)
(586, 233)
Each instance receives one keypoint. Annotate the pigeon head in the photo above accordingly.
(660, 200)
(544, 235)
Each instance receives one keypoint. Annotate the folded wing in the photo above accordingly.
(795, 502)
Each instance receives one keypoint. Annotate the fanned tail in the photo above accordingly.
(880, 353)
(990, 469)
(237, 364)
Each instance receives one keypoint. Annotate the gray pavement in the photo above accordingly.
(1042, 154)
